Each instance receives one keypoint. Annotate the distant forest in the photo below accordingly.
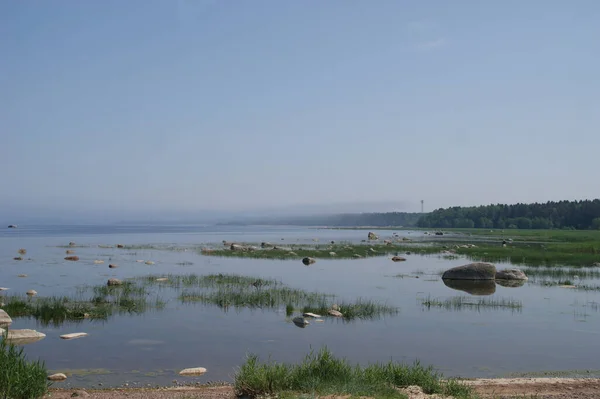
(386, 219)
(550, 215)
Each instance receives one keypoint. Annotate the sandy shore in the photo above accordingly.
(501, 388)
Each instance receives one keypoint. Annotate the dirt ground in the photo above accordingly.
(505, 388)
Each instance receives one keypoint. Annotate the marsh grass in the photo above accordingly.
(562, 273)
(103, 303)
(323, 374)
(236, 291)
(471, 303)
(342, 251)
(20, 378)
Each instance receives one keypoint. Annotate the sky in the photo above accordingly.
(201, 105)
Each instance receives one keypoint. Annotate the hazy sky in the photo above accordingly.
(232, 105)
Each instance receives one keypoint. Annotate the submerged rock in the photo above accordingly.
(510, 274)
(398, 259)
(472, 271)
(69, 252)
(308, 261)
(114, 282)
(98, 262)
(300, 321)
(149, 262)
(72, 258)
(57, 377)
(22, 337)
(5, 319)
(73, 335)
(193, 371)
(473, 287)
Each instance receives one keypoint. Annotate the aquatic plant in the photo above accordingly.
(20, 378)
(470, 302)
(323, 374)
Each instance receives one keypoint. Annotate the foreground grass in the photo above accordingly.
(323, 374)
(20, 378)
(464, 303)
(103, 303)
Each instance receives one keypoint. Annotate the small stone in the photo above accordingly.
(98, 262)
(57, 377)
(300, 321)
(308, 261)
(72, 258)
(120, 246)
(22, 251)
(32, 292)
(73, 335)
(398, 259)
(69, 252)
(72, 244)
(308, 314)
(162, 279)
(140, 261)
(149, 262)
(18, 258)
(80, 394)
(335, 313)
(356, 256)
(4, 289)
(22, 275)
(114, 281)
(193, 371)
(335, 306)
(112, 266)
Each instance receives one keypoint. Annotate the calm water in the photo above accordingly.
(557, 328)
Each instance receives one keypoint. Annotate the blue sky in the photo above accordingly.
(188, 105)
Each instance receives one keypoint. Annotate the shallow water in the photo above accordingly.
(556, 328)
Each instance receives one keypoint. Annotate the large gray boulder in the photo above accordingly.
(472, 271)
(22, 337)
(510, 274)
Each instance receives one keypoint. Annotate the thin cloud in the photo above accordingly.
(431, 44)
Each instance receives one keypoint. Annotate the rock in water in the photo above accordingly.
(510, 283)
(73, 335)
(5, 319)
(372, 236)
(98, 262)
(22, 337)
(193, 371)
(72, 258)
(57, 377)
(308, 261)
(473, 287)
(69, 252)
(398, 259)
(308, 314)
(114, 281)
(32, 292)
(510, 274)
(111, 266)
(149, 262)
(472, 271)
(335, 313)
(300, 321)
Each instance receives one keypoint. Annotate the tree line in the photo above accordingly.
(375, 219)
(550, 215)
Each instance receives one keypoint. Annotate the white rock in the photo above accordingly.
(193, 371)
(73, 335)
(335, 313)
(57, 377)
(140, 261)
(149, 262)
(308, 314)
(21, 337)
(4, 289)
(98, 262)
(162, 279)
(32, 292)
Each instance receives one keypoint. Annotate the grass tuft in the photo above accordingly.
(20, 378)
(323, 374)
(464, 303)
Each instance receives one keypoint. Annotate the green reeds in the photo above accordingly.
(20, 378)
(471, 303)
(323, 374)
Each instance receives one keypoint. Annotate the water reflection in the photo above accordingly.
(511, 283)
(473, 287)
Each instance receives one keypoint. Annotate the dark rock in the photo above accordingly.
(300, 321)
(120, 246)
(473, 287)
(472, 271)
(111, 266)
(114, 282)
(72, 258)
(372, 236)
(398, 259)
(308, 261)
